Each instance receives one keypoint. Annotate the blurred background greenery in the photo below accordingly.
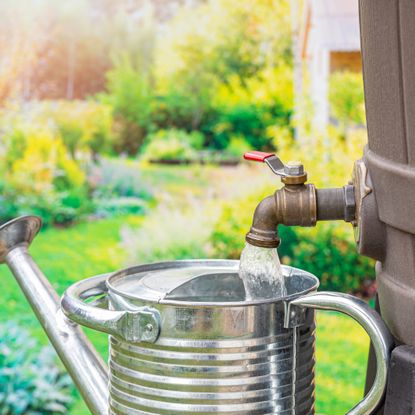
(123, 123)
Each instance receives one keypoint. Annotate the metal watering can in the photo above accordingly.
(183, 339)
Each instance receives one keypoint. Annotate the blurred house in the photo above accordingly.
(327, 40)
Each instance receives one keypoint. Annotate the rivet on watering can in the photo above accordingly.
(149, 325)
(149, 328)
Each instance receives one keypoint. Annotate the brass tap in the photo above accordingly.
(297, 203)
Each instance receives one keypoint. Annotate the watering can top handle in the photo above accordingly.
(139, 325)
(371, 321)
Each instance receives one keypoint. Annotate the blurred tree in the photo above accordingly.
(217, 46)
(226, 37)
(131, 84)
(53, 50)
(19, 42)
(73, 57)
(195, 65)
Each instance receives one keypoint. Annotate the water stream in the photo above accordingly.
(260, 270)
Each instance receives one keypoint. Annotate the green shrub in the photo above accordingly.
(237, 147)
(117, 188)
(329, 251)
(110, 178)
(50, 164)
(248, 109)
(30, 382)
(41, 177)
(172, 145)
(85, 126)
(131, 95)
(220, 68)
(185, 106)
(244, 120)
(47, 151)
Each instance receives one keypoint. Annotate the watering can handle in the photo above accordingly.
(373, 324)
(142, 324)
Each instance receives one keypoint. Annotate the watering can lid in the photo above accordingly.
(180, 280)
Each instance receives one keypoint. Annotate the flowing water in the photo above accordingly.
(261, 272)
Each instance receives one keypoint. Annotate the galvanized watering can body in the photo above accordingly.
(183, 340)
(191, 344)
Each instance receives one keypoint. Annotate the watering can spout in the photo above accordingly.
(83, 363)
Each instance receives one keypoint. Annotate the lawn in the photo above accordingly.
(88, 248)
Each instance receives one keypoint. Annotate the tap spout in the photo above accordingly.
(294, 204)
(264, 229)
(298, 204)
(83, 363)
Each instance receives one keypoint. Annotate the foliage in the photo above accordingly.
(130, 86)
(251, 108)
(41, 178)
(233, 81)
(219, 67)
(237, 146)
(224, 38)
(183, 234)
(117, 188)
(130, 95)
(83, 125)
(327, 250)
(48, 150)
(119, 206)
(117, 178)
(172, 145)
(30, 382)
(346, 97)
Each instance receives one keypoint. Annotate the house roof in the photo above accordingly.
(331, 25)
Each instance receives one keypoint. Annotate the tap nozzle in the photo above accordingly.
(296, 203)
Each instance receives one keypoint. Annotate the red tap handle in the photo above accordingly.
(274, 163)
(257, 156)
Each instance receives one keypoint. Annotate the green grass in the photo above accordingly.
(85, 249)
(342, 349)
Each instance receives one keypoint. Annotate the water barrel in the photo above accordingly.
(388, 51)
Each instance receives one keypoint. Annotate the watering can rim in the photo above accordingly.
(113, 277)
